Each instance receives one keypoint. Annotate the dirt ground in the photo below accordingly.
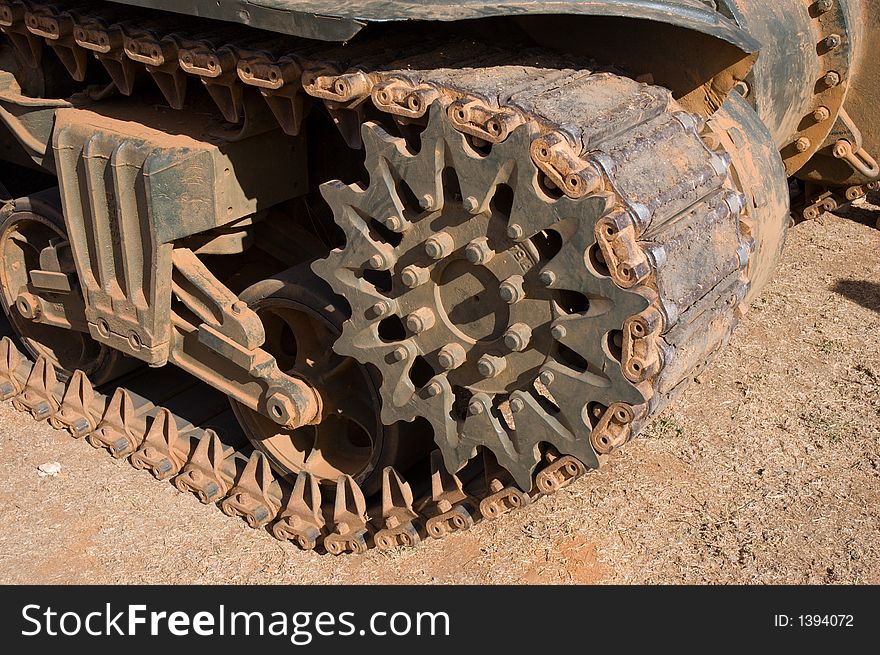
(767, 471)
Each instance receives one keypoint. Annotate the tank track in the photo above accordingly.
(674, 240)
(147, 420)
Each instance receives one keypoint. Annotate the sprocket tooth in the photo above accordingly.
(163, 452)
(421, 171)
(302, 520)
(349, 519)
(398, 515)
(210, 471)
(122, 428)
(532, 419)
(571, 390)
(503, 494)
(450, 507)
(81, 408)
(584, 335)
(481, 428)
(561, 471)
(256, 496)
(10, 361)
(38, 395)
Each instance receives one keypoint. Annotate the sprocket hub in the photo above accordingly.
(480, 296)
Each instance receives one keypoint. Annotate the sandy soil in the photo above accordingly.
(767, 471)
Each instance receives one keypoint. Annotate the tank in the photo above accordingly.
(366, 273)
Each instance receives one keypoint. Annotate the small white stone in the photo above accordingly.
(49, 469)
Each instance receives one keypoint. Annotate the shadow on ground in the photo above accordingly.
(862, 292)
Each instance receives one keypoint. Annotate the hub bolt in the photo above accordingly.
(546, 378)
(821, 114)
(491, 366)
(393, 223)
(400, 354)
(824, 5)
(451, 356)
(475, 408)
(517, 337)
(832, 41)
(478, 251)
(420, 320)
(517, 405)
(558, 332)
(434, 389)
(832, 78)
(379, 262)
(471, 204)
(515, 232)
(547, 278)
(511, 290)
(803, 144)
(440, 245)
(426, 202)
(414, 276)
(381, 308)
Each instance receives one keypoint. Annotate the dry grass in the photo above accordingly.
(768, 471)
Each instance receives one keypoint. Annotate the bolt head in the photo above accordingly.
(558, 332)
(426, 201)
(471, 204)
(832, 41)
(400, 354)
(451, 356)
(515, 231)
(281, 408)
(742, 88)
(824, 5)
(803, 144)
(832, 78)
(821, 114)
(378, 262)
(490, 366)
(517, 337)
(511, 290)
(517, 405)
(414, 276)
(381, 308)
(475, 408)
(547, 277)
(393, 223)
(434, 389)
(513, 341)
(547, 378)
(439, 246)
(420, 320)
(509, 293)
(478, 251)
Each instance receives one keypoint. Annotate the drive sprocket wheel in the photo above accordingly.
(474, 288)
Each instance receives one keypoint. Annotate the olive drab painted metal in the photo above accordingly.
(442, 258)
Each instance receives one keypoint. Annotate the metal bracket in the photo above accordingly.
(220, 343)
